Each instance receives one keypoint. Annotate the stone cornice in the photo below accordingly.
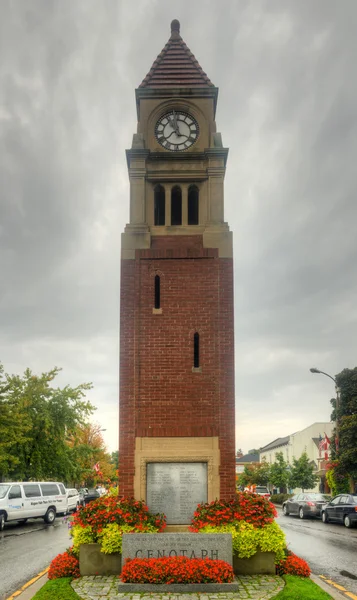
(178, 92)
(141, 153)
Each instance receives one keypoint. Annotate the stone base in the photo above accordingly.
(262, 563)
(178, 588)
(93, 562)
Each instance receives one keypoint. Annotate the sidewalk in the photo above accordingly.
(259, 587)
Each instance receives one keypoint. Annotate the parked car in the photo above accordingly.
(341, 509)
(73, 499)
(89, 495)
(262, 491)
(305, 505)
(20, 501)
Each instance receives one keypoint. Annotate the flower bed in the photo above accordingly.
(105, 520)
(64, 565)
(245, 506)
(293, 565)
(176, 569)
(250, 520)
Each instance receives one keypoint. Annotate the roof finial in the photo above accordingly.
(175, 28)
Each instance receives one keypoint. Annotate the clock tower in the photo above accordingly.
(177, 425)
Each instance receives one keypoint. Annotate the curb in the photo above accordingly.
(30, 588)
(328, 586)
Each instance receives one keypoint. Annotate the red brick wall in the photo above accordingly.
(160, 396)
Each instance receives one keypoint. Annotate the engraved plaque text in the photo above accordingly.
(175, 489)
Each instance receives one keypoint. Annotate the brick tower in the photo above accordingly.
(176, 312)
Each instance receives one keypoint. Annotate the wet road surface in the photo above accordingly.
(27, 549)
(330, 549)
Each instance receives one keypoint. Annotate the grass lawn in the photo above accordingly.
(57, 589)
(299, 588)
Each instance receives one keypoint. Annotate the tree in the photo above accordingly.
(38, 420)
(89, 449)
(14, 427)
(302, 473)
(346, 453)
(279, 471)
(114, 459)
(254, 474)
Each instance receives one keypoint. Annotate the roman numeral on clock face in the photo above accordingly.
(182, 124)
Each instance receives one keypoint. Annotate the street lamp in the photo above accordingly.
(314, 370)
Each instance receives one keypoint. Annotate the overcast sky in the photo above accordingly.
(287, 109)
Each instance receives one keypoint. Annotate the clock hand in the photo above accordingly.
(177, 131)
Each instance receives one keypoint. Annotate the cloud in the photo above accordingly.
(287, 110)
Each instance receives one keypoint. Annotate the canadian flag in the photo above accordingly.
(324, 445)
(96, 467)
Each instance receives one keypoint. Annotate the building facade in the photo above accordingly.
(176, 312)
(307, 440)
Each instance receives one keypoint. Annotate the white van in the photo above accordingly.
(20, 501)
(73, 499)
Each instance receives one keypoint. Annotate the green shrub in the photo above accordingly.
(105, 520)
(111, 537)
(81, 535)
(247, 539)
(280, 498)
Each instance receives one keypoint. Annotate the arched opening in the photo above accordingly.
(157, 291)
(192, 206)
(159, 205)
(196, 350)
(176, 206)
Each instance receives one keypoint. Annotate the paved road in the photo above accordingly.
(330, 549)
(26, 550)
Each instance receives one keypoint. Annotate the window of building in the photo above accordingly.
(196, 350)
(176, 206)
(157, 291)
(159, 205)
(192, 207)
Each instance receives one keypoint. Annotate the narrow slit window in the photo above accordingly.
(157, 291)
(196, 350)
(176, 206)
(192, 208)
(159, 205)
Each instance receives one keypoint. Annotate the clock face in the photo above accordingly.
(176, 131)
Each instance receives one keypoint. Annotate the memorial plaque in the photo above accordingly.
(175, 489)
(216, 546)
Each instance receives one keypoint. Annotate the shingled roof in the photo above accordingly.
(176, 66)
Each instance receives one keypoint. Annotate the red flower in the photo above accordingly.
(293, 565)
(176, 569)
(113, 509)
(64, 565)
(245, 506)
